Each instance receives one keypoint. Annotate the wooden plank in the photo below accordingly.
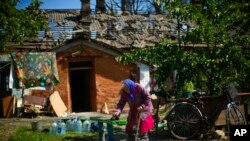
(8, 106)
(57, 104)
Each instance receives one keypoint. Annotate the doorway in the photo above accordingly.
(4, 78)
(4, 84)
(80, 85)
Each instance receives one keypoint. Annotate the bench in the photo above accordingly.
(35, 104)
(110, 129)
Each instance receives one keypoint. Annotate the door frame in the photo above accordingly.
(93, 106)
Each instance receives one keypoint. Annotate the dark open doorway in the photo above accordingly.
(4, 78)
(80, 85)
(4, 84)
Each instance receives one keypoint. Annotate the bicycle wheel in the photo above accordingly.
(184, 121)
(234, 115)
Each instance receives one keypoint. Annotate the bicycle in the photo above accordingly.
(187, 118)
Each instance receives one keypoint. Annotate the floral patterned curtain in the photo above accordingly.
(35, 69)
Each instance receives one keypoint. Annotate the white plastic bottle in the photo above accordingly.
(79, 126)
(59, 128)
(86, 125)
(63, 125)
(74, 124)
(53, 127)
(68, 125)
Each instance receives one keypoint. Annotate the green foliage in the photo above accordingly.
(221, 26)
(16, 24)
(218, 23)
(188, 87)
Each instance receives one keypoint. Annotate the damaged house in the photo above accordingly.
(78, 52)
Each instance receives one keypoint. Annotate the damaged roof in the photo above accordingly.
(121, 31)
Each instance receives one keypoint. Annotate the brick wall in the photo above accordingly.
(63, 86)
(108, 77)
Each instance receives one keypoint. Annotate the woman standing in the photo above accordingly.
(140, 108)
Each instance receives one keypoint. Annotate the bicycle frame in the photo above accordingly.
(208, 119)
(188, 118)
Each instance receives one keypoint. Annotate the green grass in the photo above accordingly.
(26, 134)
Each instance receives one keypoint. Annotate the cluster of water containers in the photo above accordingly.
(59, 127)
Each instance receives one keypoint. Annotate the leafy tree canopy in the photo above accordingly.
(16, 24)
(220, 25)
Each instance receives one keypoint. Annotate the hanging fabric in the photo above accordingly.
(35, 69)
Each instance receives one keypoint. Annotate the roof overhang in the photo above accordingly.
(87, 43)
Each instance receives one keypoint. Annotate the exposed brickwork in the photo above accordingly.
(63, 87)
(108, 77)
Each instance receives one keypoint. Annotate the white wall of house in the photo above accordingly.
(144, 75)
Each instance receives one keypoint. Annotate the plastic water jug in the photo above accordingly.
(53, 127)
(86, 126)
(79, 126)
(63, 125)
(74, 124)
(59, 128)
(68, 125)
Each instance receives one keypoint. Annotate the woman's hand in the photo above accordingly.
(116, 113)
(140, 109)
